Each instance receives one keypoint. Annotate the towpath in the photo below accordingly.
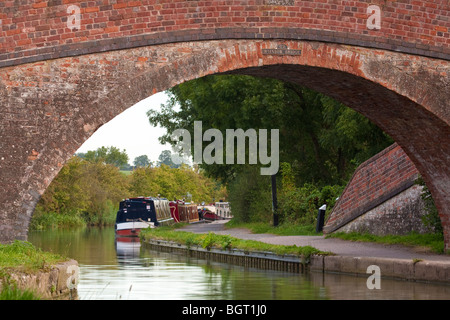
(337, 246)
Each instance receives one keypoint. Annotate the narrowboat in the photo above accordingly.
(173, 205)
(223, 210)
(139, 213)
(184, 211)
(217, 211)
(208, 214)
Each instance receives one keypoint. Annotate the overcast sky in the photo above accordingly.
(131, 131)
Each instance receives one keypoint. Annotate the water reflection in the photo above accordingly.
(121, 268)
(127, 248)
(149, 274)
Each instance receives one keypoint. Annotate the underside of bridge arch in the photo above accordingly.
(49, 108)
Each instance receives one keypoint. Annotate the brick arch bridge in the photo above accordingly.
(67, 67)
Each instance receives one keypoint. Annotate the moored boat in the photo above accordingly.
(223, 210)
(183, 211)
(207, 214)
(140, 213)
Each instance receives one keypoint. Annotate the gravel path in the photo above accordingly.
(337, 246)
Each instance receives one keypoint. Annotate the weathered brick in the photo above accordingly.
(381, 197)
(379, 86)
(421, 36)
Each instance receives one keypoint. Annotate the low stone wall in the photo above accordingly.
(57, 283)
(399, 216)
(429, 271)
(380, 198)
(251, 259)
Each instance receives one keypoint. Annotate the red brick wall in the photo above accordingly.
(375, 181)
(48, 109)
(48, 106)
(32, 30)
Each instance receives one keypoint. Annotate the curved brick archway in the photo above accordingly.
(58, 84)
(50, 108)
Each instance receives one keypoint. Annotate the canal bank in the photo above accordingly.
(251, 259)
(56, 282)
(28, 272)
(394, 261)
(112, 268)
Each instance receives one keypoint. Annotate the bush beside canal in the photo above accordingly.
(88, 193)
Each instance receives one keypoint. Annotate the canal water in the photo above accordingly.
(120, 269)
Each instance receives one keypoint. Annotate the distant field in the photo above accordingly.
(126, 172)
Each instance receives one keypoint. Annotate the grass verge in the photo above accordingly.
(212, 240)
(10, 292)
(431, 242)
(282, 230)
(24, 257)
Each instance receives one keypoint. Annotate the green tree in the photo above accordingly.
(250, 196)
(89, 190)
(221, 103)
(165, 157)
(107, 155)
(322, 139)
(141, 161)
(174, 183)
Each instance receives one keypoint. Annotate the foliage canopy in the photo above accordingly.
(321, 140)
